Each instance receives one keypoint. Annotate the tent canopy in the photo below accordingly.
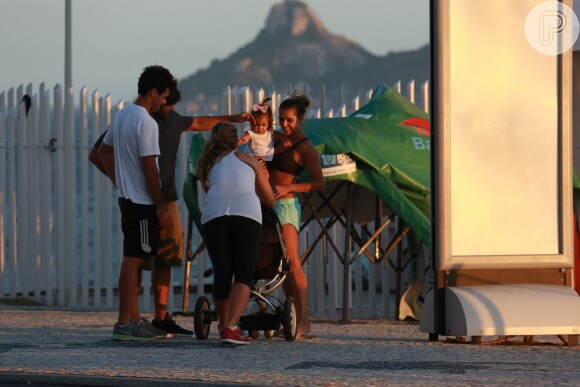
(388, 139)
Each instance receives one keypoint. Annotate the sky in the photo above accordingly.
(113, 40)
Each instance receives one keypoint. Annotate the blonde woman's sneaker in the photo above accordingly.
(145, 324)
(234, 336)
(170, 326)
(131, 332)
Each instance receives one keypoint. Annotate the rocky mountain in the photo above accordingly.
(295, 48)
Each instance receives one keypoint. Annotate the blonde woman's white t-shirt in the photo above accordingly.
(231, 191)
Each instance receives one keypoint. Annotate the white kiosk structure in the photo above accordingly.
(502, 231)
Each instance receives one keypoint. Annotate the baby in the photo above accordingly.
(261, 138)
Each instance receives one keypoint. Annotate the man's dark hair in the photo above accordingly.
(155, 77)
(174, 97)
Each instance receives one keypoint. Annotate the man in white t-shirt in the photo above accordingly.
(170, 246)
(129, 155)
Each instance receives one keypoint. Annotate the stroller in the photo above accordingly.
(271, 271)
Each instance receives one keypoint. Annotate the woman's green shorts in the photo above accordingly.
(289, 212)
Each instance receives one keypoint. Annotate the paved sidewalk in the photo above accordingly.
(50, 347)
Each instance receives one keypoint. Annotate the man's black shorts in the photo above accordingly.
(140, 229)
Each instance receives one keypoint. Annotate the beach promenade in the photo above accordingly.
(52, 347)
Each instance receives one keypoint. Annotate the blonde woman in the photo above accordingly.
(235, 184)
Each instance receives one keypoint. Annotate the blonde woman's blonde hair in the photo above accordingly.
(223, 140)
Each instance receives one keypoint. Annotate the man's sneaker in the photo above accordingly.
(170, 326)
(145, 324)
(132, 332)
(234, 336)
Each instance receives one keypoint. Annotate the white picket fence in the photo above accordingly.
(60, 237)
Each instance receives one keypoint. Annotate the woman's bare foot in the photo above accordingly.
(303, 329)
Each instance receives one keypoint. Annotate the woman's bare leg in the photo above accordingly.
(296, 285)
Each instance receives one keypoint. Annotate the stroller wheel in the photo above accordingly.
(289, 319)
(269, 334)
(200, 327)
(254, 334)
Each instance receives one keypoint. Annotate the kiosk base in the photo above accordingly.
(506, 310)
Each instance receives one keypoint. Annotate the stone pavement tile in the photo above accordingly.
(368, 352)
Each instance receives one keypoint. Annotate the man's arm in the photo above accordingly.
(203, 123)
(107, 157)
(151, 174)
(94, 157)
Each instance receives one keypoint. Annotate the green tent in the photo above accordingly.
(389, 141)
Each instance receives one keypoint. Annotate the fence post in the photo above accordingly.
(397, 86)
(275, 103)
(323, 98)
(46, 219)
(84, 176)
(70, 195)
(316, 272)
(411, 91)
(235, 100)
(386, 288)
(245, 99)
(369, 95)
(355, 104)
(376, 248)
(347, 253)
(12, 225)
(60, 232)
(19, 94)
(107, 206)
(24, 261)
(260, 95)
(226, 101)
(118, 236)
(97, 204)
(358, 281)
(425, 96)
(34, 189)
(11, 99)
(332, 271)
(372, 284)
(245, 104)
